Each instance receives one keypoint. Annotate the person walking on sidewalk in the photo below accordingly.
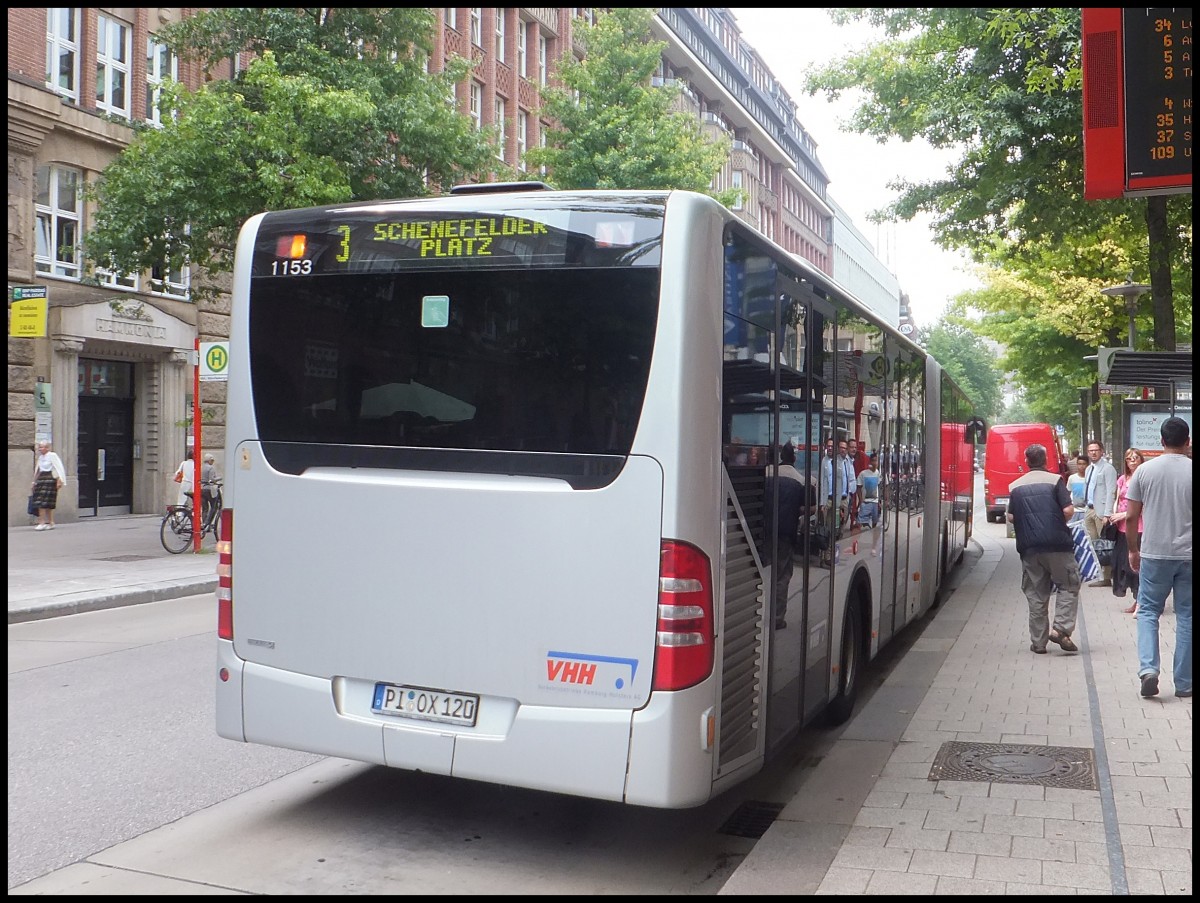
(185, 474)
(49, 476)
(1077, 483)
(1162, 556)
(1039, 507)
(1123, 579)
(1100, 491)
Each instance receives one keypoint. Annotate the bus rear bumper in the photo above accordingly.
(577, 751)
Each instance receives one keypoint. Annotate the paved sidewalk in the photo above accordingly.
(881, 826)
(99, 563)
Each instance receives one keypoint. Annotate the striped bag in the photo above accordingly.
(1085, 555)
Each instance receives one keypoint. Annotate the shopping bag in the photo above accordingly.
(33, 510)
(1085, 555)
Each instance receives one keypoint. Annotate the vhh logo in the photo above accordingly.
(585, 669)
(570, 672)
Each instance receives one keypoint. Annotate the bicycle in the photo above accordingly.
(176, 529)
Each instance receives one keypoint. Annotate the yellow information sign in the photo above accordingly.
(27, 319)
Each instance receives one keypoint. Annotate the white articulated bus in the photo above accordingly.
(496, 490)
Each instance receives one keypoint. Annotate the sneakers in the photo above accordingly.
(1150, 685)
(1184, 694)
(1040, 650)
(50, 526)
(42, 527)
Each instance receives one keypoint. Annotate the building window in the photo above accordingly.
(543, 57)
(477, 26)
(450, 13)
(112, 66)
(501, 33)
(172, 283)
(737, 183)
(112, 280)
(476, 109)
(58, 227)
(522, 137)
(501, 129)
(522, 57)
(161, 64)
(62, 52)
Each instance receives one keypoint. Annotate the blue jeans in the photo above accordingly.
(1160, 576)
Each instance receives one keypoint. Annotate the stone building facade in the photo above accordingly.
(110, 382)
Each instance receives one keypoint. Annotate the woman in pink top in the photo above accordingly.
(1122, 577)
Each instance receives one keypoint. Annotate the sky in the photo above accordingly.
(858, 167)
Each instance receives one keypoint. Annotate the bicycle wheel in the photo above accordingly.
(176, 531)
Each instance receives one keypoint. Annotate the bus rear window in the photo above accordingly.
(537, 360)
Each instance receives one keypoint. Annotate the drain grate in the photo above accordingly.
(127, 558)
(751, 819)
(1068, 767)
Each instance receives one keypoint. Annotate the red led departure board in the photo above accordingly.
(1137, 93)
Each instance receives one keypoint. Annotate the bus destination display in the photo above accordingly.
(374, 240)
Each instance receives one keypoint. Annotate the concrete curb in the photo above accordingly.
(77, 603)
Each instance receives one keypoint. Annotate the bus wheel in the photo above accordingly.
(843, 705)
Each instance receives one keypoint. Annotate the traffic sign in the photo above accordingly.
(214, 361)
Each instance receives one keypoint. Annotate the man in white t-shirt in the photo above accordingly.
(1160, 493)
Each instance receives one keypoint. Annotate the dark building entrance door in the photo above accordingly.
(105, 445)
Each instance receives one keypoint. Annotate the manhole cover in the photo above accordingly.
(1069, 767)
(128, 558)
(751, 819)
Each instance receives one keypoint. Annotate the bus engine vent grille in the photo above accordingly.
(741, 675)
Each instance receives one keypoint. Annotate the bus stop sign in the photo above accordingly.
(214, 361)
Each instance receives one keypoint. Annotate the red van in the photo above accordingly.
(1005, 460)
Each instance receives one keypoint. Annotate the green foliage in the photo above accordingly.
(1003, 87)
(968, 361)
(1018, 412)
(615, 130)
(337, 107)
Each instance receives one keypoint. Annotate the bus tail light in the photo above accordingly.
(225, 577)
(684, 645)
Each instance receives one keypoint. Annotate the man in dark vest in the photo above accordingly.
(1039, 507)
(795, 497)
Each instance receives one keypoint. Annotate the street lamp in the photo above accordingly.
(1130, 291)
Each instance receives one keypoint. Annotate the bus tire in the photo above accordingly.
(850, 666)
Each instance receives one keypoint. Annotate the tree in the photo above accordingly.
(336, 107)
(1003, 86)
(612, 128)
(1017, 412)
(969, 363)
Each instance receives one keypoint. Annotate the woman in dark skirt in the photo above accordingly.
(1124, 578)
(49, 476)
